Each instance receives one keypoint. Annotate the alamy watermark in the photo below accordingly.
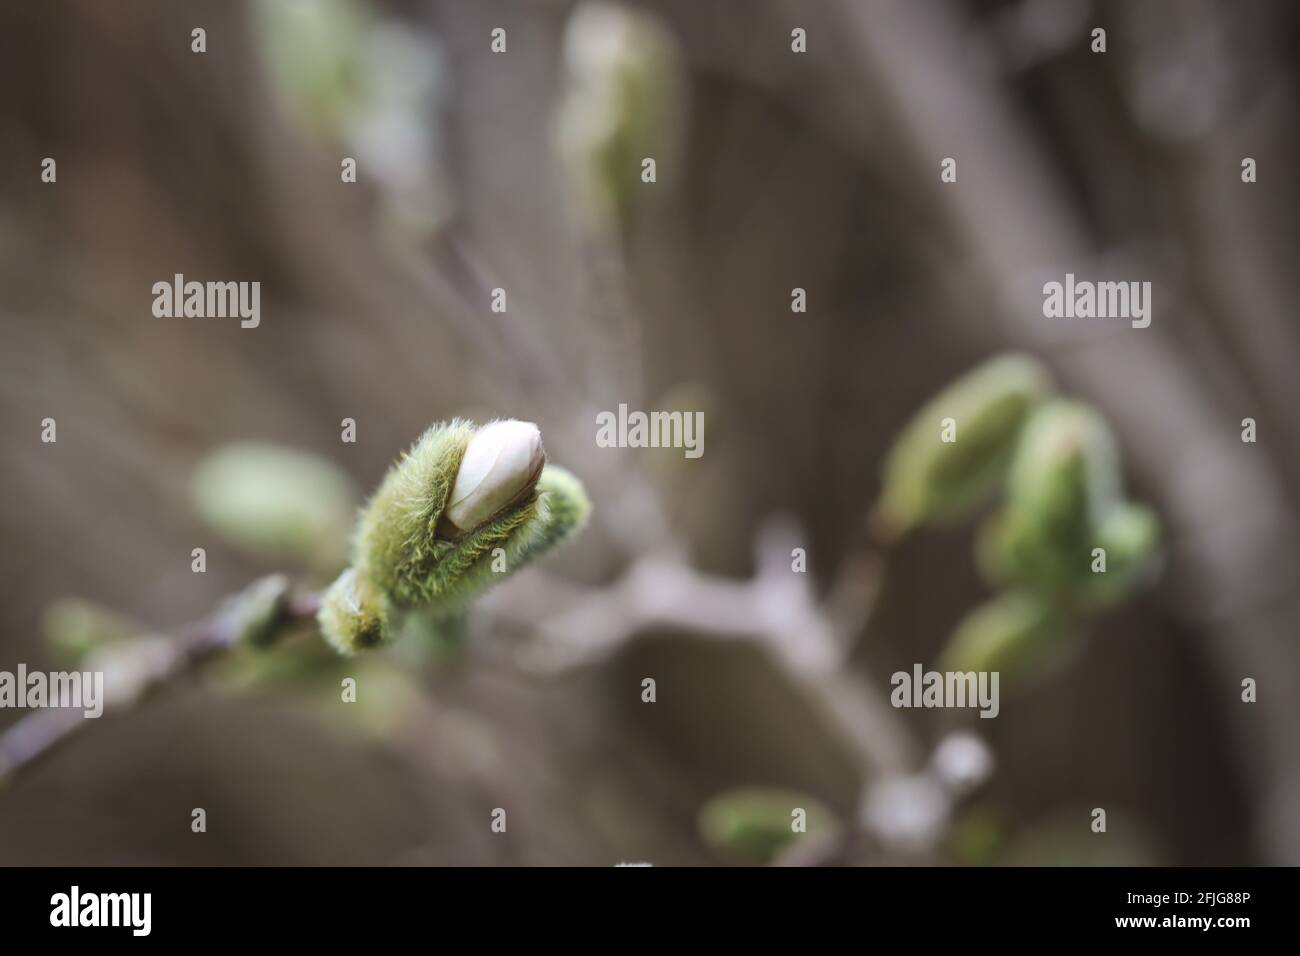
(130, 910)
(922, 688)
(200, 300)
(634, 429)
(1100, 300)
(82, 690)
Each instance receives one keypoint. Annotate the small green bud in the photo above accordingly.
(353, 616)
(1066, 458)
(565, 508)
(276, 503)
(1016, 633)
(1063, 482)
(929, 480)
(463, 510)
(1130, 534)
(754, 824)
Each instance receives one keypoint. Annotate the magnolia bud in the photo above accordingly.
(501, 464)
(463, 509)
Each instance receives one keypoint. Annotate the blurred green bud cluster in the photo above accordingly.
(315, 53)
(1014, 633)
(462, 510)
(1063, 541)
(753, 825)
(277, 504)
(623, 102)
(936, 474)
(1064, 502)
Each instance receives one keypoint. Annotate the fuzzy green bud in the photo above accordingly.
(409, 552)
(939, 470)
(1015, 634)
(462, 510)
(565, 508)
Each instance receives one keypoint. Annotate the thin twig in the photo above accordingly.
(131, 671)
(776, 609)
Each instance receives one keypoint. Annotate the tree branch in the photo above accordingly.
(135, 668)
(776, 609)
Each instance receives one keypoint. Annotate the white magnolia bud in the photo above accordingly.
(501, 463)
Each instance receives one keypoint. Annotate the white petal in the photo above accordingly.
(500, 462)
